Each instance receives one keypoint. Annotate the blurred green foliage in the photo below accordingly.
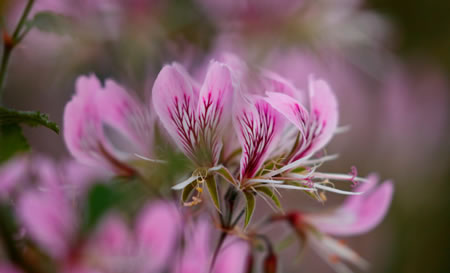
(12, 141)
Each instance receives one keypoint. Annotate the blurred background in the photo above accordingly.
(388, 62)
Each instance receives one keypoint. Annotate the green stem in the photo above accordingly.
(3, 68)
(8, 46)
(23, 19)
(236, 220)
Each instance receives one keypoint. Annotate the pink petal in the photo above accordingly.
(290, 108)
(85, 116)
(111, 246)
(175, 102)
(214, 107)
(335, 252)
(359, 214)
(232, 257)
(157, 231)
(82, 124)
(49, 219)
(124, 113)
(276, 83)
(196, 254)
(111, 237)
(258, 127)
(323, 116)
(12, 174)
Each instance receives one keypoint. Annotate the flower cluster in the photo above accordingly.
(245, 137)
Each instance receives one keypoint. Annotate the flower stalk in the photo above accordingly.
(10, 42)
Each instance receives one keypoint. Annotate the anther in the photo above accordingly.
(354, 174)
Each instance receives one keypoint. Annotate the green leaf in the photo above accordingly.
(212, 188)
(12, 141)
(100, 199)
(30, 118)
(250, 207)
(187, 191)
(267, 191)
(47, 21)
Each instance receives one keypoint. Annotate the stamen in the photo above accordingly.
(196, 199)
(309, 182)
(288, 187)
(330, 189)
(300, 162)
(338, 176)
(269, 181)
(354, 174)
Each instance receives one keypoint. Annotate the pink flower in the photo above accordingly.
(49, 218)
(197, 255)
(106, 126)
(27, 171)
(114, 247)
(358, 214)
(274, 153)
(195, 117)
(157, 232)
(54, 224)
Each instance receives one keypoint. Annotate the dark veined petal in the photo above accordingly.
(258, 127)
(194, 119)
(214, 107)
(175, 102)
(323, 118)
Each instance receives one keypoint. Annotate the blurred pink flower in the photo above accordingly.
(157, 233)
(106, 126)
(195, 117)
(28, 171)
(412, 97)
(358, 214)
(54, 223)
(12, 174)
(197, 256)
(49, 218)
(250, 11)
